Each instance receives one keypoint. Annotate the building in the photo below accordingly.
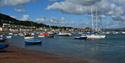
(1, 29)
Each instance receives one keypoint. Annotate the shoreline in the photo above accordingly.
(18, 55)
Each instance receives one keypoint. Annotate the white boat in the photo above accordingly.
(8, 37)
(123, 32)
(28, 36)
(115, 32)
(21, 34)
(64, 34)
(95, 36)
(10, 33)
(107, 32)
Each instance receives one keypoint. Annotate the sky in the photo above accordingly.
(74, 13)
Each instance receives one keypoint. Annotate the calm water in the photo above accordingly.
(111, 49)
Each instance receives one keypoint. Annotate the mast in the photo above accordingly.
(92, 18)
(96, 20)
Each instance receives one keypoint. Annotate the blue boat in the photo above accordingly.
(33, 42)
(81, 38)
(3, 46)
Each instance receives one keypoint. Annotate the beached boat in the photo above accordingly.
(64, 34)
(3, 42)
(3, 46)
(33, 42)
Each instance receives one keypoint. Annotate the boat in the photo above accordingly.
(28, 36)
(93, 34)
(3, 46)
(51, 34)
(2, 38)
(33, 42)
(82, 37)
(21, 34)
(107, 32)
(3, 43)
(115, 32)
(123, 32)
(8, 37)
(43, 35)
(64, 34)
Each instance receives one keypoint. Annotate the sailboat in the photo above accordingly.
(92, 34)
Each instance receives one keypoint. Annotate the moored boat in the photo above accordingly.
(64, 34)
(83, 37)
(28, 36)
(33, 42)
(95, 36)
(2, 38)
(43, 35)
(123, 32)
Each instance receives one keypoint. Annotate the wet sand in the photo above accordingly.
(17, 55)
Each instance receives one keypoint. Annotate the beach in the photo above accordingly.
(17, 55)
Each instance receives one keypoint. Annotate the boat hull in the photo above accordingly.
(33, 42)
(81, 38)
(95, 36)
(28, 37)
(3, 46)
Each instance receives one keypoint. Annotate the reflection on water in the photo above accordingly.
(111, 49)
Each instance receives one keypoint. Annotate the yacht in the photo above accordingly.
(64, 34)
(93, 35)
(82, 37)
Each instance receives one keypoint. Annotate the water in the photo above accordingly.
(110, 50)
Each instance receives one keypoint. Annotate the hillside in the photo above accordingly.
(7, 19)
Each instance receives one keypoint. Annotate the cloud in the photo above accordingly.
(40, 19)
(20, 10)
(102, 7)
(13, 2)
(25, 17)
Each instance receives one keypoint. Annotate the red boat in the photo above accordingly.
(43, 35)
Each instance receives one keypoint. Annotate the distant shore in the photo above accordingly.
(17, 55)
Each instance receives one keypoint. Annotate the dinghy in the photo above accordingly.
(33, 42)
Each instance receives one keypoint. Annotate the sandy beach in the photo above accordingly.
(17, 55)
